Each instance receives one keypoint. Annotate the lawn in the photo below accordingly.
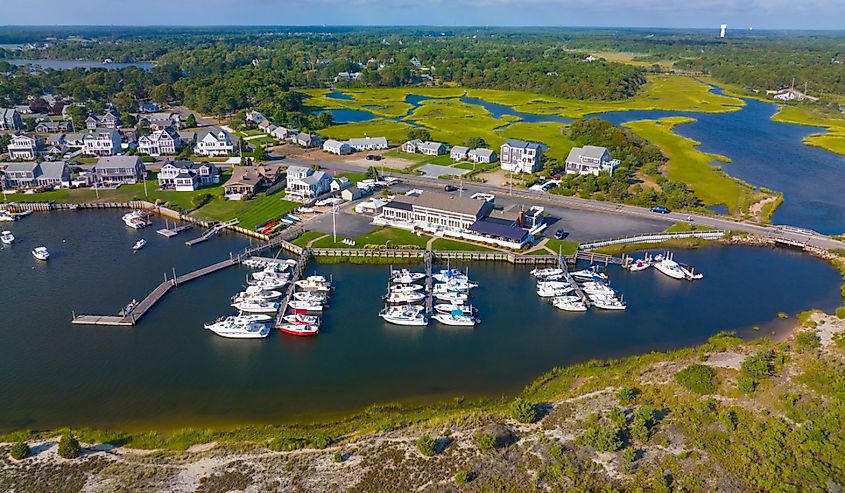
(381, 236)
(563, 246)
(395, 132)
(686, 227)
(833, 140)
(251, 213)
(691, 166)
(451, 245)
(303, 239)
(355, 177)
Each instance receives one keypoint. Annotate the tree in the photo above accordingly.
(259, 153)
(372, 173)
(191, 121)
(124, 102)
(626, 395)
(523, 411)
(77, 114)
(419, 133)
(486, 442)
(321, 441)
(5, 140)
(68, 447)
(476, 142)
(19, 451)
(807, 339)
(758, 365)
(161, 93)
(427, 445)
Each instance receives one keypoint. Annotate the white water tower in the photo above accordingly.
(722, 29)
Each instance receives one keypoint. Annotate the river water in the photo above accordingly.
(168, 372)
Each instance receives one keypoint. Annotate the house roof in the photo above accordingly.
(430, 145)
(498, 229)
(482, 152)
(594, 152)
(521, 144)
(334, 143)
(182, 164)
(368, 141)
(118, 162)
(460, 149)
(441, 201)
(46, 169)
(314, 178)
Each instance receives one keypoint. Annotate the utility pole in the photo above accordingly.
(334, 223)
(145, 184)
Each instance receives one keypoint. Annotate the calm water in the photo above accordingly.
(169, 372)
(500, 110)
(86, 64)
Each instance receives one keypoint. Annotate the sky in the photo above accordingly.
(737, 14)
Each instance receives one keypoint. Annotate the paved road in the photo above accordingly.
(629, 211)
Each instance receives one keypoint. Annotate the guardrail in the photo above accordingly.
(652, 238)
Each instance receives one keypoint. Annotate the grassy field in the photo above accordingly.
(303, 239)
(689, 165)
(452, 245)
(687, 227)
(563, 246)
(395, 132)
(251, 213)
(833, 140)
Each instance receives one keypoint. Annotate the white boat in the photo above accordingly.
(7, 237)
(607, 302)
(399, 315)
(306, 305)
(456, 318)
(448, 308)
(139, 244)
(550, 292)
(270, 273)
(670, 268)
(310, 296)
(6, 216)
(454, 287)
(300, 319)
(639, 264)
(253, 317)
(268, 283)
(252, 305)
(40, 253)
(546, 272)
(258, 293)
(300, 329)
(134, 220)
(690, 273)
(239, 330)
(404, 276)
(404, 298)
(553, 284)
(599, 288)
(588, 275)
(456, 298)
(447, 275)
(405, 288)
(314, 283)
(569, 304)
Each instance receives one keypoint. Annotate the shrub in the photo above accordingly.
(68, 447)
(321, 441)
(747, 385)
(642, 427)
(758, 365)
(840, 312)
(617, 417)
(697, 378)
(729, 420)
(338, 456)
(523, 411)
(630, 454)
(839, 340)
(627, 395)
(19, 451)
(555, 451)
(427, 446)
(603, 438)
(286, 444)
(807, 340)
(462, 476)
(486, 442)
(200, 200)
(783, 315)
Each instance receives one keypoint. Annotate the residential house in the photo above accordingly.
(589, 160)
(411, 146)
(351, 193)
(185, 176)
(111, 119)
(256, 117)
(427, 148)
(521, 157)
(340, 183)
(10, 119)
(26, 146)
(791, 94)
(347, 76)
(307, 183)
(117, 170)
(337, 147)
(148, 107)
(266, 126)
(160, 120)
(282, 133)
(484, 156)
(246, 180)
(306, 140)
(36, 175)
(459, 153)
(48, 127)
(214, 144)
(165, 141)
(101, 142)
(368, 143)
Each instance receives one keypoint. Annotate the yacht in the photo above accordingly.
(451, 297)
(7, 237)
(542, 273)
(252, 317)
(257, 293)
(404, 315)
(40, 253)
(270, 273)
(607, 302)
(455, 318)
(589, 275)
(268, 283)
(300, 319)
(238, 330)
(447, 275)
(405, 288)
(309, 306)
(448, 308)
(310, 296)
(134, 220)
(670, 268)
(553, 284)
(314, 283)
(598, 287)
(639, 264)
(139, 244)
(569, 304)
(298, 329)
(404, 276)
(253, 305)
(552, 292)
(404, 298)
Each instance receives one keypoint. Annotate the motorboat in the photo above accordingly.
(690, 273)
(589, 275)
(301, 319)
(551, 292)
(553, 284)
(670, 268)
(139, 244)
(253, 317)
(21, 214)
(40, 253)
(263, 263)
(569, 304)
(404, 276)
(255, 292)
(297, 329)
(451, 297)
(7, 237)
(598, 287)
(404, 298)
(253, 305)
(238, 330)
(403, 315)
(454, 287)
(314, 283)
(268, 283)
(447, 275)
(455, 318)
(310, 296)
(639, 264)
(308, 306)
(607, 302)
(134, 220)
(548, 272)
(6, 216)
(449, 308)
(271, 272)
(405, 288)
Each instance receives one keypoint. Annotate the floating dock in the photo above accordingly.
(429, 281)
(171, 232)
(211, 232)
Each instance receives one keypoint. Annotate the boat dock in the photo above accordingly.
(295, 274)
(429, 281)
(577, 287)
(211, 232)
(171, 232)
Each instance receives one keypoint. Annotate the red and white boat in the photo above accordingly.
(299, 329)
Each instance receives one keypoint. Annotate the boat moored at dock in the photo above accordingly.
(404, 315)
(456, 318)
(252, 305)
(238, 330)
(302, 330)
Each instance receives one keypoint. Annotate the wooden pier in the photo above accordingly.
(295, 274)
(171, 232)
(429, 282)
(562, 264)
(211, 232)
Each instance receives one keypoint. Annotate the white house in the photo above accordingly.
(111, 119)
(185, 176)
(160, 120)
(36, 175)
(10, 119)
(165, 141)
(521, 157)
(282, 133)
(485, 156)
(116, 170)
(337, 147)
(589, 160)
(793, 95)
(25, 146)
(256, 117)
(351, 193)
(427, 148)
(340, 183)
(102, 142)
(306, 183)
(368, 143)
(459, 153)
(214, 144)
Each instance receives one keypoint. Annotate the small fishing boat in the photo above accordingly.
(40, 253)
(139, 244)
(268, 283)
(551, 292)
(670, 268)
(310, 296)
(454, 286)
(690, 273)
(7, 237)
(639, 264)
(399, 315)
(599, 288)
(252, 317)
(134, 220)
(314, 283)
(553, 284)
(270, 272)
(447, 275)
(542, 273)
(569, 304)
(306, 305)
(457, 318)
(7, 217)
(404, 298)
(258, 293)
(254, 305)
(405, 288)
(404, 276)
(300, 329)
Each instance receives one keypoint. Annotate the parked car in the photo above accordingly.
(373, 157)
(660, 209)
(450, 188)
(560, 234)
